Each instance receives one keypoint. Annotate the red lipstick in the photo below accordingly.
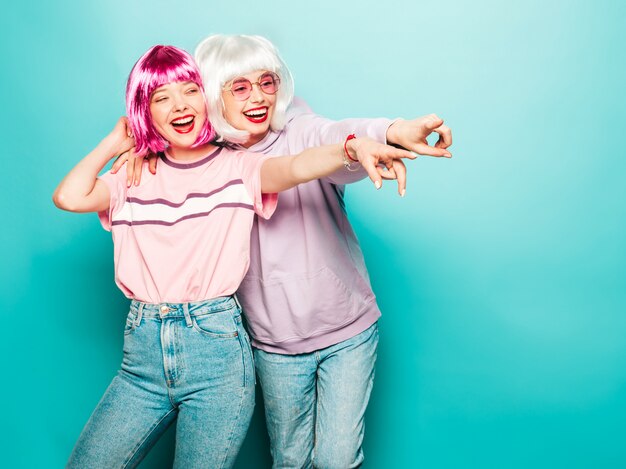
(257, 115)
(184, 124)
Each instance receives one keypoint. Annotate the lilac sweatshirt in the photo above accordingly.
(307, 286)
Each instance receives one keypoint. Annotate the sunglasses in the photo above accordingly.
(241, 88)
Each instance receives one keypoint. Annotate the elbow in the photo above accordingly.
(61, 201)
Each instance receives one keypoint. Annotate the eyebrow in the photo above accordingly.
(184, 83)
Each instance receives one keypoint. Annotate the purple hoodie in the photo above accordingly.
(307, 287)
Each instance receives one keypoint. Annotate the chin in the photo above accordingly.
(262, 131)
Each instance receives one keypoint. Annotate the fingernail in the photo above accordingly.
(403, 192)
(447, 155)
(377, 184)
(128, 184)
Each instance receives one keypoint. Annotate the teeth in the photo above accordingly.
(183, 121)
(256, 113)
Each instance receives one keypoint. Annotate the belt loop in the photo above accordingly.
(139, 314)
(237, 301)
(186, 313)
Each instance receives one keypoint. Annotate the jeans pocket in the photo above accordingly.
(219, 324)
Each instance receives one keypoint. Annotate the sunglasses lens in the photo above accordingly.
(241, 88)
(269, 83)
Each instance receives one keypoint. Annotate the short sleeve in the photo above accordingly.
(250, 169)
(117, 190)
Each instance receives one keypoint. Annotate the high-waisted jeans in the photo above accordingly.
(189, 362)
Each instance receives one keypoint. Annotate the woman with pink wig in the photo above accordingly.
(181, 249)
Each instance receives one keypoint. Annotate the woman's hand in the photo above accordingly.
(133, 168)
(123, 134)
(380, 161)
(412, 134)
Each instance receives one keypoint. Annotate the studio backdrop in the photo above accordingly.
(501, 274)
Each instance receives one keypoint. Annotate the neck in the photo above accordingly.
(190, 154)
(253, 140)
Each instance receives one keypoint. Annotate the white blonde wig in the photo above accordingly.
(221, 58)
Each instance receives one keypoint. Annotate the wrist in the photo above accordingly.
(349, 152)
(111, 147)
(351, 147)
(392, 134)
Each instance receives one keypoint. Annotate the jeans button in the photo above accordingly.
(164, 310)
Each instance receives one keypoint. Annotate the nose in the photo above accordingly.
(179, 102)
(256, 95)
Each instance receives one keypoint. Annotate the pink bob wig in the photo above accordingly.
(157, 67)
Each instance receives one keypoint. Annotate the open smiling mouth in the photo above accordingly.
(184, 125)
(256, 115)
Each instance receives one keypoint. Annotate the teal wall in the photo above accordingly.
(501, 274)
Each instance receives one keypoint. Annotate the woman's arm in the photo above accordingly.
(279, 174)
(306, 129)
(309, 129)
(80, 190)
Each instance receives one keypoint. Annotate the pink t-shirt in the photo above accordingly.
(183, 235)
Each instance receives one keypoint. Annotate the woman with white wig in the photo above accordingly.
(307, 298)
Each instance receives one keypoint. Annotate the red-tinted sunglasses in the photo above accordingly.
(241, 87)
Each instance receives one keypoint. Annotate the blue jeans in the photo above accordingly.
(191, 362)
(315, 402)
